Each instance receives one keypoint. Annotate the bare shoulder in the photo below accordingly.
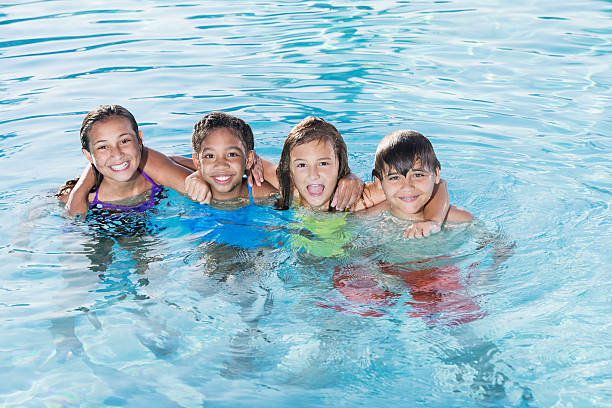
(456, 214)
(265, 190)
(371, 196)
(375, 209)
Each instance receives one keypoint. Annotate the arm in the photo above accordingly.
(263, 169)
(372, 195)
(348, 191)
(77, 200)
(184, 161)
(163, 170)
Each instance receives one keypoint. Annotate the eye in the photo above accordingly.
(300, 165)
(324, 163)
(208, 156)
(419, 175)
(232, 154)
(126, 141)
(101, 148)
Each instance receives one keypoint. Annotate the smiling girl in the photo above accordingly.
(124, 175)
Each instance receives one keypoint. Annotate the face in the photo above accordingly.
(222, 163)
(407, 195)
(314, 172)
(114, 149)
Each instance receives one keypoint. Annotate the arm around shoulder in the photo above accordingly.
(163, 170)
(456, 214)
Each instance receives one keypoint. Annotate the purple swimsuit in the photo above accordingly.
(126, 208)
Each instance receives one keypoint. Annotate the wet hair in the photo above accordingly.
(217, 120)
(99, 114)
(399, 150)
(309, 129)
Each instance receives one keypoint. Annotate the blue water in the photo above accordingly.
(185, 311)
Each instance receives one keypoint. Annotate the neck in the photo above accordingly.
(417, 216)
(240, 191)
(112, 190)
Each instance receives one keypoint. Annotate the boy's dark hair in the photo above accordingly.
(99, 114)
(216, 120)
(309, 129)
(399, 150)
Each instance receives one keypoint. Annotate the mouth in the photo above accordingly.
(120, 167)
(409, 199)
(315, 190)
(222, 179)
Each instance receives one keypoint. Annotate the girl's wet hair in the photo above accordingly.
(100, 114)
(216, 120)
(399, 150)
(310, 129)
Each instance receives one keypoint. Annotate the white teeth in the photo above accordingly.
(120, 167)
(222, 178)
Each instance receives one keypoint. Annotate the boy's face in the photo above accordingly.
(314, 171)
(407, 195)
(222, 163)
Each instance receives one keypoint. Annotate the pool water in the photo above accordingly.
(192, 306)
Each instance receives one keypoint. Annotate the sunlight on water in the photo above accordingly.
(190, 306)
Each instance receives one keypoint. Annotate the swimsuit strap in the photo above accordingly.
(95, 201)
(250, 193)
(155, 189)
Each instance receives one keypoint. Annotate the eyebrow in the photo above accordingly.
(393, 171)
(318, 158)
(228, 148)
(121, 135)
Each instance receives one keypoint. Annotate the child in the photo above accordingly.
(222, 152)
(116, 180)
(407, 168)
(314, 158)
(199, 188)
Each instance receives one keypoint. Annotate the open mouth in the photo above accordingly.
(315, 190)
(222, 179)
(120, 167)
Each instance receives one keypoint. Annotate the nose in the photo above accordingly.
(116, 151)
(313, 172)
(408, 182)
(221, 161)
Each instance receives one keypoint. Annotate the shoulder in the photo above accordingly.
(375, 209)
(265, 190)
(456, 214)
(371, 196)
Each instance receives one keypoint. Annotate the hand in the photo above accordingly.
(197, 189)
(348, 192)
(421, 229)
(256, 173)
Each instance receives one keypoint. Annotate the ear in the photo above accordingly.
(140, 140)
(87, 155)
(196, 160)
(437, 175)
(250, 159)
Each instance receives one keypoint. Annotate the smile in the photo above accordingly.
(120, 167)
(315, 190)
(408, 199)
(222, 179)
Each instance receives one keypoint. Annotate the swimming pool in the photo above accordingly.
(509, 311)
